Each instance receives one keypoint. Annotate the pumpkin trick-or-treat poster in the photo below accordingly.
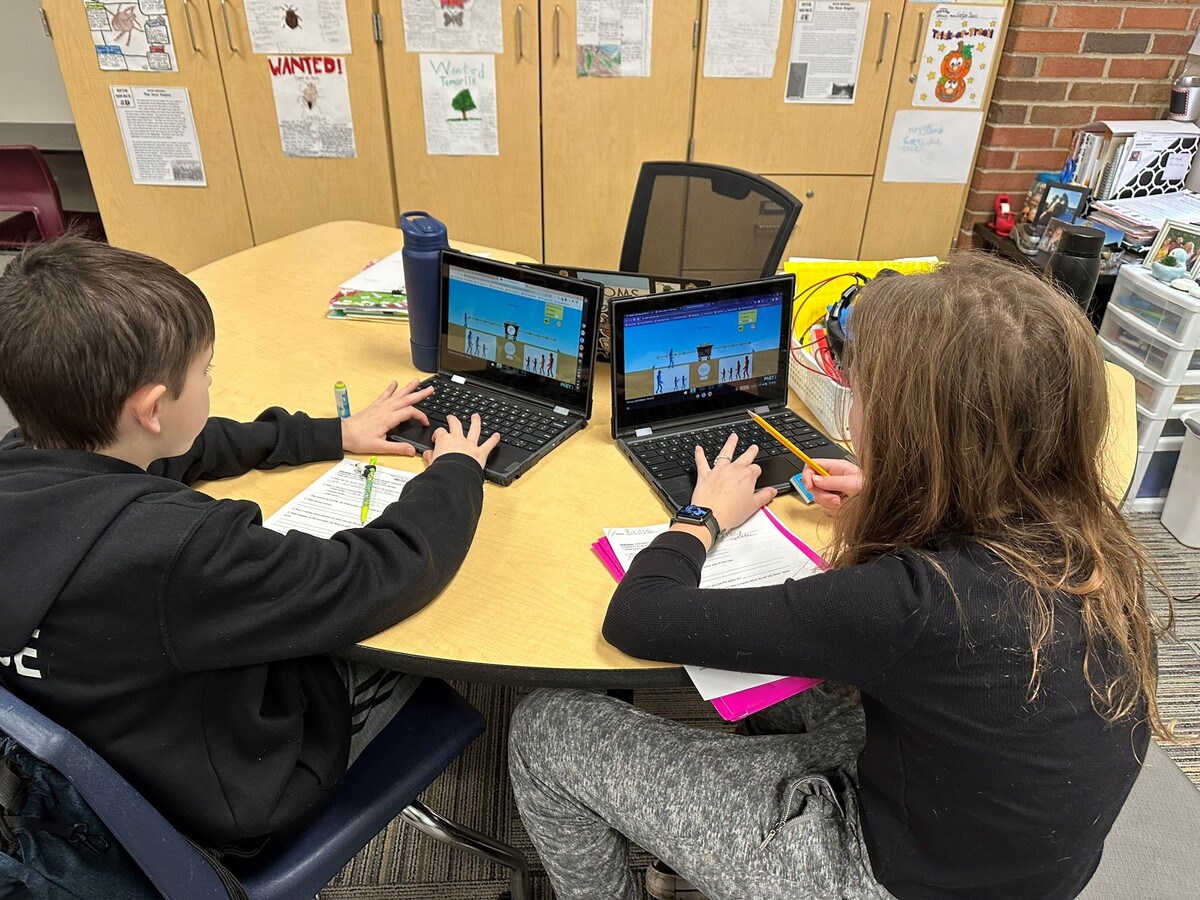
(958, 56)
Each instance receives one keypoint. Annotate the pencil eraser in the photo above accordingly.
(801, 491)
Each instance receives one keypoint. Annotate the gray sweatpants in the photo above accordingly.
(769, 815)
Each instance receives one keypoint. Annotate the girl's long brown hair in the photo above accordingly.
(983, 411)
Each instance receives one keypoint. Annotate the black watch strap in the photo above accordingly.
(709, 521)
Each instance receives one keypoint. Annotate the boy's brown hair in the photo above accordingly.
(83, 325)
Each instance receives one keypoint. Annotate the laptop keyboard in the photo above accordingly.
(518, 425)
(674, 454)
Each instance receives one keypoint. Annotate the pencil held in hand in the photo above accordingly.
(804, 457)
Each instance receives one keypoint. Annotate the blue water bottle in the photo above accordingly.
(424, 236)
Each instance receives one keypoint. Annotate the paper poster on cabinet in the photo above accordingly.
(312, 106)
(613, 38)
(133, 35)
(452, 26)
(742, 38)
(297, 26)
(930, 145)
(957, 54)
(159, 133)
(459, 97)
(827, 41)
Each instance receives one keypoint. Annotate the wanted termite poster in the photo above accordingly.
(160, 135)
(298, 26)
(312, 106)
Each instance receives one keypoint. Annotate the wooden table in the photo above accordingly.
(527, 605)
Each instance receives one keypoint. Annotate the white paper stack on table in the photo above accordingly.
(1141, 217)
(333, 502)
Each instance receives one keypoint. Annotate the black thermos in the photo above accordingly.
(1075, 265)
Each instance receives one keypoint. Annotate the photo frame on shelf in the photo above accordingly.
(1180, 240)
(1053, 233)
(1060, 201)
(1033, 201)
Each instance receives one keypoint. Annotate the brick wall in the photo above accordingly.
(1064, 65)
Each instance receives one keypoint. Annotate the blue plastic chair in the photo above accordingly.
(428, 733)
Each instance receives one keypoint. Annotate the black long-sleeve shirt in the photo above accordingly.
(967, 789)
(181, 639)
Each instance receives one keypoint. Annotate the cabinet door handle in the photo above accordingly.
(557, 31)
(520, 31)
(228, 33)
(887, 21)
(917, 45)
(187, 17)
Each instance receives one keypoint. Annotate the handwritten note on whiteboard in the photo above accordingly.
(932, 146)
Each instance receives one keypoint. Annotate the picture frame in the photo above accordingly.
(1033, 201)
(1061, 200)
(1177, 235)
(1053, 233)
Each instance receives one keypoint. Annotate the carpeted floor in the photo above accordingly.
(402, 864)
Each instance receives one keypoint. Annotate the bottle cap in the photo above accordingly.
(1081, 240)
(422, 231)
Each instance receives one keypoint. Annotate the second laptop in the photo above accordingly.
(689, 365)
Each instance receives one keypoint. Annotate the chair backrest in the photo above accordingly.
(697, 220)
(26, 185)
(138, 825)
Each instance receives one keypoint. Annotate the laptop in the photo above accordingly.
(517, 346)
(620, 284)
(687, 366)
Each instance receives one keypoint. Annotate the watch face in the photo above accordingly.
(695, 513)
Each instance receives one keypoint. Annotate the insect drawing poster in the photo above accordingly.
(298, 26)
(458, 92)
(959, 51)
(312, 105)
(131, 36)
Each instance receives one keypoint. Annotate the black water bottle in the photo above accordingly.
(1075, 265)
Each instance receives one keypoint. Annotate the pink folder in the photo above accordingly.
(740, 704)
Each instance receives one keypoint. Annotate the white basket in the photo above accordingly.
(827, 400)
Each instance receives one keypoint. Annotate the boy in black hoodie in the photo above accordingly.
(171, 631)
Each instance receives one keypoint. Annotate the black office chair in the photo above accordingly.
(429, 732)
(697, 220)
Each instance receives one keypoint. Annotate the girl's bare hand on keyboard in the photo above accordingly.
(366, 431)
(727, 486)
(452, 440)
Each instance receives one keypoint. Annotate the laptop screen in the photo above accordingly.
(519, 329)
(691, 354)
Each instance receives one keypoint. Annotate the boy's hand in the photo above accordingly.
(366, 431)
(727, 486)
(844, 480)
(452, 440)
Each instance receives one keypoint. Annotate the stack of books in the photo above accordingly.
(1126, 159)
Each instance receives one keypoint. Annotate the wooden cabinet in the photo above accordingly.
(916, 218)
(831, 222)
(186, 226)
(286, 194)
(596, 132)
(744, 122)
(490, 200)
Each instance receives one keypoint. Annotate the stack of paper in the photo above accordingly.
(377, 292)
(760, 552)
(333, 502)
(1141, 217)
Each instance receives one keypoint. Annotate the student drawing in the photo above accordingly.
(124, 23)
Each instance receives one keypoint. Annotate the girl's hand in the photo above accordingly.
(727, 486)
(366, 431)
(844, 480)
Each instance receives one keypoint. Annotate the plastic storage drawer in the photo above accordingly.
(1175, 314)
(1164, 357)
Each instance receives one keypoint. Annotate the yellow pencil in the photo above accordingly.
(813, 464)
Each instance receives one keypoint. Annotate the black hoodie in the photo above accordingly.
(181, 640)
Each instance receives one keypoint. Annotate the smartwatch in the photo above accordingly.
(699, 515)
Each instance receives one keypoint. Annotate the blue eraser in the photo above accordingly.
(801, 490)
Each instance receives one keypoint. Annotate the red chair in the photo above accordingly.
(26, 186)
